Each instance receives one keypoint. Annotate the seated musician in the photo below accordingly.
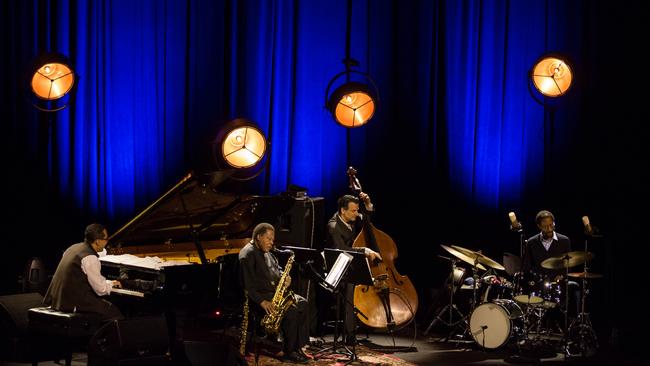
(77, 285)
(260, 274)
(548, 243)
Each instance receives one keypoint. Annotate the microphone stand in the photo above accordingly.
(522, 247)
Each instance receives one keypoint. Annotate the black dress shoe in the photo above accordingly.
(295, 357)
(305, 355)
(350, 340)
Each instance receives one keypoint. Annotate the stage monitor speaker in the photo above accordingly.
(294, 227)
(35, 278)
(142, 341)
(14, 324)
(220, 352)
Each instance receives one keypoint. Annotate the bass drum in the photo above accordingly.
(493, 323)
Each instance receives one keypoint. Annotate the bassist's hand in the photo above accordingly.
(366, 201)
(372, 255)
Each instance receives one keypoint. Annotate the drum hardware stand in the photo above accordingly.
(566, 306)
(466, 333)
(449, 308)
(463, 324)
(585, 331)
(475, 277)
(536, 332)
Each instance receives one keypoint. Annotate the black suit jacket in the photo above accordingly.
(536, 254)
(255, 274)
(339, 236)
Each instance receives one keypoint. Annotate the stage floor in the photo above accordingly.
(410, 349)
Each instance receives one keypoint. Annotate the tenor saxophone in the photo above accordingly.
(280, 303)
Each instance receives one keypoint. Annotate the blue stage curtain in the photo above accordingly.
(157, 79)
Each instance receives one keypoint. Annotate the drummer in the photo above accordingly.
(548, 243)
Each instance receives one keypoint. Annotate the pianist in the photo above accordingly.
(77, 285)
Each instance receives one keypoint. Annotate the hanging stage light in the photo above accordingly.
(240, 147)
(51, 79)
(243, 147)
(552, 76)
(353, 103)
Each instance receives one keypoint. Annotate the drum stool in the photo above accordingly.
(69, 330)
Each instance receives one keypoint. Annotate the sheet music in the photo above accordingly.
(146, 262)
(338, 269)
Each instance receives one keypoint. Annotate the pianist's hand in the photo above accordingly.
(117, 284)
(266, 305)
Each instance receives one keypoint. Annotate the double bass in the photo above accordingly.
(392, 300)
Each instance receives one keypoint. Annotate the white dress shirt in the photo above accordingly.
(92, 268)
(547, 242)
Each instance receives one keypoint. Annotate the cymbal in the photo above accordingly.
(481, 258)
(585, 275)
(567, 260)
(462, 256)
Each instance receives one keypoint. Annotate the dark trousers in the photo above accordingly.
(295, 326)
(110, 312)
(349, 318)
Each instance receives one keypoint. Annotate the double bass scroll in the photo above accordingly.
(392, 301)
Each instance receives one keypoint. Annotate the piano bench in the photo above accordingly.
(70, 331)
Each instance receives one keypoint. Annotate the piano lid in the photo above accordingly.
(195, 205)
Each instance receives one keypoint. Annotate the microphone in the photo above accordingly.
(589, 230)
(282, 251)
(514, 224)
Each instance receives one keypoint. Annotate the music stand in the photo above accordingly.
(310, 268)
(308, 257)
(349, 267)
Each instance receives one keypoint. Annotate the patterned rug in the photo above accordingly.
(364, 354)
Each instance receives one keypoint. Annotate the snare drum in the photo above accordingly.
(535, 290)
(492, 324)
(529, 288)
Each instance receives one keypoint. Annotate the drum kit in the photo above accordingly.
(501, 310)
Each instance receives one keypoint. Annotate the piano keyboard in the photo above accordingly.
(122, 291)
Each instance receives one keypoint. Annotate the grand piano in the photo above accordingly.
(181, 250)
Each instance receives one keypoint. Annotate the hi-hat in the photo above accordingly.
(462, 256)
(567, 260)
(480, 257)
(585, 275)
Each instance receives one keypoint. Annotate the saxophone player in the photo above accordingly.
(260, 274)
